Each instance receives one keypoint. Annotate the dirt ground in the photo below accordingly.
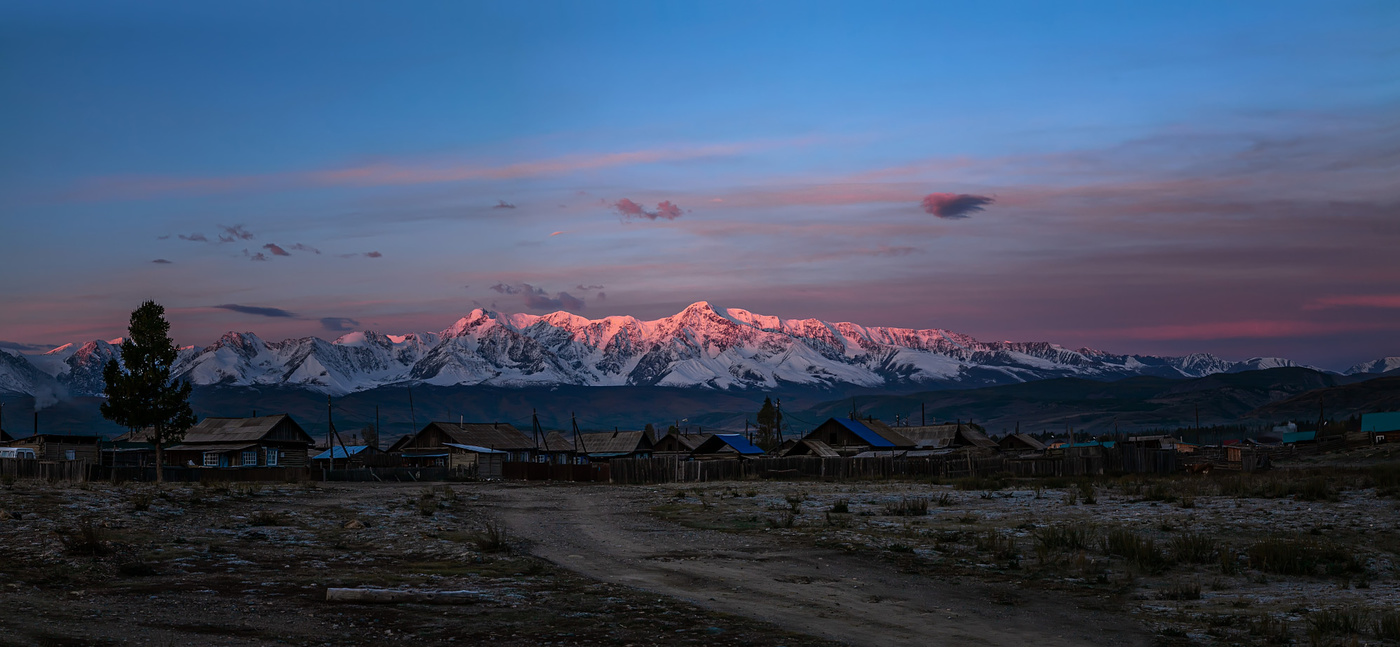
(1306, 556)
(250, 565)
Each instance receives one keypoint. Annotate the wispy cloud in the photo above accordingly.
(257, 310)
(1356, 301)
(197, 238)
(664, 210)
(276, 250)
(502, 204)
(162, 261)
(234, 234)
(305, 248)
(338, 324)
(389, 174)
(955, 206)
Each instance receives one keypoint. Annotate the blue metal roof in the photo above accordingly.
(1299, 437)
(1389, 421)
(865, 433)
(478, 449)
(340, 452)
(739, 443)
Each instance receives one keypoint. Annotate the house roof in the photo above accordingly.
(614, 442)
(864, 433)
(1299, 437)
(946, 435)
(726, 443)
(808, 447)
(888, 433)
(5, 437)
(557, 442)
(495, 435)
(682, 442)
(212, 447)
(1383, 421)
(1025, 439)
(227, 430)
(476, 449)
(341, 452)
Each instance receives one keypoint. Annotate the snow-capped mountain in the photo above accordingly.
(698, 347)
(1382, 365)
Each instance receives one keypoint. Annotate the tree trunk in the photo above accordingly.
(160, 457)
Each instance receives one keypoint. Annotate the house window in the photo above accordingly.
(272, 457)
(211, 459)
(250, 457)
(70, 454)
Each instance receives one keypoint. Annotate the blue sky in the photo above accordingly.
(1162, 177)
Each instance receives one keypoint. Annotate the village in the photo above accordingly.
(1280, 538)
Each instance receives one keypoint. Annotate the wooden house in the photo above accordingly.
(719, 446)
(62, 447)
(678, 444)
(459, 445)
(1020, 443)
(805, 447)
(947, 436)
(607, 445)
(560, 450)
(850, 437)
(263, 441)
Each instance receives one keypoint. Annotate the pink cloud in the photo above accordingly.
(1358, 301)
(954, 206)
(665, 210)
(1248, 329)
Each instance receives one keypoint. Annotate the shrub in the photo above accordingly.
(1182, 591)
(841, 507)
(1062, 538)
(1274, 631)
(945, 499)
(1333, 622)
(1387, 626)
(427, 503)
(1193, 548)
(1301, 557)
(907, 507)
(491, 539)
(1086, 492)
(1000, 546)
(794, 502)
(266, 518)
(86, 538)
(784, 520)
(141, 501)
(1136, 549)
(1316, 489)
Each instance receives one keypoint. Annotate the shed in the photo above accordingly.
(615, 444)
(806, 447)
(675, 443)
(726, 446)
(348, 457)
(62, 447)
(262, 441)
(1021, 443)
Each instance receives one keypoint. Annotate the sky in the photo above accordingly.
(1160, 178)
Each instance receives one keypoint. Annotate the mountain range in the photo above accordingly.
(699, 347)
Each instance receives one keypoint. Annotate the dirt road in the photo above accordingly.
(606, 533)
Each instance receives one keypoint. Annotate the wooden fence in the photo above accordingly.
(523, 471)
(29, 468)
(670, 469)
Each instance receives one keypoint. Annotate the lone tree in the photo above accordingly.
(139, 391)
(767, 426)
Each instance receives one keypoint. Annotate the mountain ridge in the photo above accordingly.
(699, 347)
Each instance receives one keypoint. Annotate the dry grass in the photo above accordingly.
(907, 507)
(87, 538)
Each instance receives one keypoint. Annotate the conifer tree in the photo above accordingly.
(140, 393)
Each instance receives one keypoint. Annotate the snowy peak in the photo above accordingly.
(700, 346)
(1382, 365)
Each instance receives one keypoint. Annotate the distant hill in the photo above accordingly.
(1132, 404)
(1380, 394)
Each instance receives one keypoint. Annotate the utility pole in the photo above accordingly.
(578, 440)
(535, 428)
(778, 411)
(923, 419)
(412, 416)
(376, 426)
